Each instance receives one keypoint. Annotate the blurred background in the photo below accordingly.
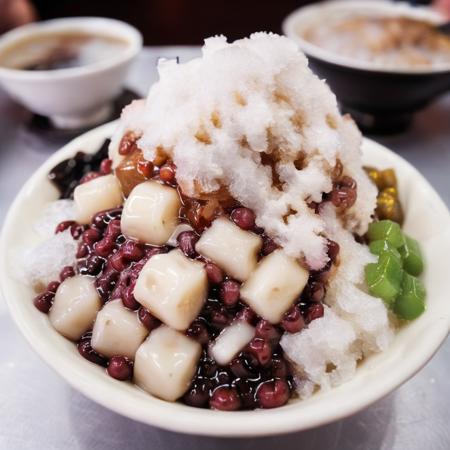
(169, 22)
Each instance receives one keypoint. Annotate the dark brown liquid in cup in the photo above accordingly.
(53, 51)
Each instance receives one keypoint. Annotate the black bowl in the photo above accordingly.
(380, 100)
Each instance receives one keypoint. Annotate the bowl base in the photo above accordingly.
(84, 119)
(40, 130)
(380, 122)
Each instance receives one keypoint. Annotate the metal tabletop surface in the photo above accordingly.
(38, 410)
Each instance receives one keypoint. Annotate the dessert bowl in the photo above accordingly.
(380, 99)
(78, 96)
(426, 219)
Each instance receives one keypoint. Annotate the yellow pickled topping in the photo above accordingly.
(389, 206)
(388, 202)
(388, 179)
(374, 175)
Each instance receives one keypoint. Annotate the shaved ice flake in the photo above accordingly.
(323, 351)
(53, 214)
(43, 263)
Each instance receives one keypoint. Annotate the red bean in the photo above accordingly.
(66, 272)
(128, 143)
(247, 315)
(219, 318)
(77, 230)
(293, 320)
(261, 349)
(107, 245)
(145, 168)
(229, 293)
(43, 302)
(83, 250)
(93, 265)
(225, 399)
(106, 166)
(100, 220)
(315, 311)
(186, 241)
(132, 250)
(269, 246)
(343, 197)
(214, 273)
(129, 252)
(148, 319)
(53, 286)
(273, 394)
(118, 262)
(167, 173)
(120, 368)
(90, 236)
(199, 332)
(280, 368)
(314, 206)
(86, 351)
(198, 394)
(104, 247)
(106, 281)
(244, 218)
(128, 299)
(63, 226)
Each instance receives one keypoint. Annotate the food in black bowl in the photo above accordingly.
(384, 61)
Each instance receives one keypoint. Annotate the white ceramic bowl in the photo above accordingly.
(73, 97)
(427, 219)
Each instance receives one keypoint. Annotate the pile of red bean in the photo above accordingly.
(259, 376)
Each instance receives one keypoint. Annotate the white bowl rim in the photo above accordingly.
(304, 13)
(118, 28)
(193, 420)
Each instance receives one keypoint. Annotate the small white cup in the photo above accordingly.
(73, 97)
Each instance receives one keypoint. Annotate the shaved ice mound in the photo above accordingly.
(251, 117)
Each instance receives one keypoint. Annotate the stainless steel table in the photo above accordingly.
(38, 410)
